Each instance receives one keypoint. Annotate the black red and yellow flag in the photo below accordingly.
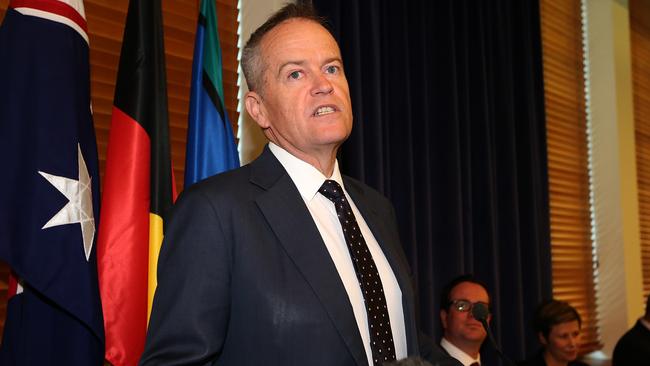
(138, 185)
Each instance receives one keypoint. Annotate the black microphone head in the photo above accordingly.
(480, 312)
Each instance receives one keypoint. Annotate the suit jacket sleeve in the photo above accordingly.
(633, 346)
(431, 352)
(191, 305)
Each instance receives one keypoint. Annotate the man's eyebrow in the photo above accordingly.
(302, 62)
(297, 63)
(332, 59)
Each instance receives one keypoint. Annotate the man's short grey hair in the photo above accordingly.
(251, 60)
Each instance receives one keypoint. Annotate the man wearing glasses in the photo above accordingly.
(463, 335)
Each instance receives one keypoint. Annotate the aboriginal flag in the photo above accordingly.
(138, 185)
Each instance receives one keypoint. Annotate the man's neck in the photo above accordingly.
(472, 349)
(324, 164)
(322, 159)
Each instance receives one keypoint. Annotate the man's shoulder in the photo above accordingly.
(636, 333)
(444, 345)
(223, 182)
(641, 328)
(224, 191)
(238, 187)
(634, 342)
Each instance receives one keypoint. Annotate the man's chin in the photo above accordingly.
(476, 338)
(475, 334)
(334, 138)
(475, 327)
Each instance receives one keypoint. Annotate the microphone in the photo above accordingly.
(480, 312)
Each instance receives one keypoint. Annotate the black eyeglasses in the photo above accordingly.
(464, 306)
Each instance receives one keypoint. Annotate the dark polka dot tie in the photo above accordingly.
(381, 335)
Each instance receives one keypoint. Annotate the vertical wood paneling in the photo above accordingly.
(568, 170)
(640, 46)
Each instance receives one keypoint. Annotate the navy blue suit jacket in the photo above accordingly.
(244, 277)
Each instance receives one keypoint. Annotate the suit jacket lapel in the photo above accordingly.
(290, 220)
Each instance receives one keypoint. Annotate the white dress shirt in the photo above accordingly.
(459, 354)
(308, 180)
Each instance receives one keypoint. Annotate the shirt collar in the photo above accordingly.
(306, 177)
(457, 353)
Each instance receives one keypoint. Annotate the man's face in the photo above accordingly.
(460, 328)
(304, 102)
(563, 341)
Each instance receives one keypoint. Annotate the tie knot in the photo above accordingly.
(331, 190)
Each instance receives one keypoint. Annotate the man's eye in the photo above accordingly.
(332, 69)
(294, 75)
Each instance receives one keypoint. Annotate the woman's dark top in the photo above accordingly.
(538, 360)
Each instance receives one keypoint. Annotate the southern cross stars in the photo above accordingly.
(79, 208)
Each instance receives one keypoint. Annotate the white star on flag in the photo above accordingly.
(79, 208)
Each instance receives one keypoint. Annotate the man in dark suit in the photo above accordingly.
(284, 261)
(634, 346)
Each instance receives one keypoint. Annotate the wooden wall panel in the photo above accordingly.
(568, 168)
(640, 46)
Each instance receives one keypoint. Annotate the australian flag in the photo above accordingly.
(49, 191)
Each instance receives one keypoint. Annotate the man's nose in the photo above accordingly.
(322, 85)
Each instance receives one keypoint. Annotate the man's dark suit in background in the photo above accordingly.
(634, 346)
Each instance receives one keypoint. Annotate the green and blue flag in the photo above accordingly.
(211, 145)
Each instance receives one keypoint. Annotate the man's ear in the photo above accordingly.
(542, 339)
(443, 318)
(255, 107)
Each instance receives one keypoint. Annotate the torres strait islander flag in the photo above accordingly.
(138, 185)
(49, 191)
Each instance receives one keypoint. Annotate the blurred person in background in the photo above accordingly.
(462, 334)
(557, 325)
(634, 346)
